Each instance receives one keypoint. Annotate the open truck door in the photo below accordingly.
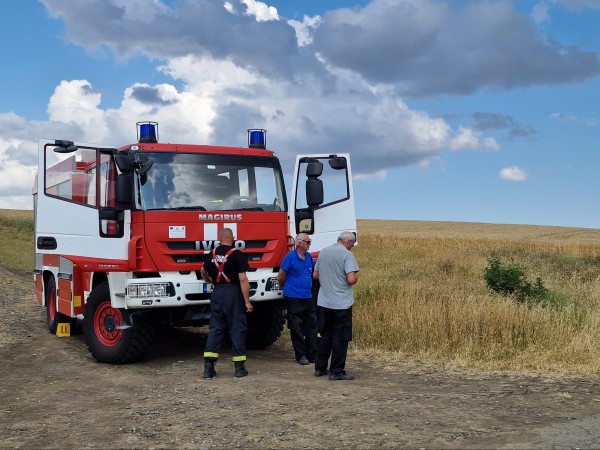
(82, 205)
(322, 198)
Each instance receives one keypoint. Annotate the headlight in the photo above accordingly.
(149, 290)
(273, 285)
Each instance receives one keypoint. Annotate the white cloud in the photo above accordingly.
(229, 7)
(76, 102)
(469, 139)
(305, 29)
(490, 143)
(261, 11)
(539, 13)
(513, 173)
(142, 11)
(570, 118)
(579, 5)
(379, 175)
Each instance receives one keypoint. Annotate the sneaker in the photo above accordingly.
(303, 361)
(320, 373)
(340, 376)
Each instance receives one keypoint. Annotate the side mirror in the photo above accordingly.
(124, 189)
(124, 163)
(314, 192)
(63, 146)
(314, 169)
(144, 168)
(314, 186)
(338, 163)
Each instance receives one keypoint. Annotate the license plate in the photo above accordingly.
(207, 288)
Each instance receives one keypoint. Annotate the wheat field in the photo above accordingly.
(422, 297)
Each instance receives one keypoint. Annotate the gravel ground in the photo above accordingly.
(53, 394)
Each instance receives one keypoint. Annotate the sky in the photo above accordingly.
(457, 110)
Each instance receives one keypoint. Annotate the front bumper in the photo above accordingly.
(173, 289)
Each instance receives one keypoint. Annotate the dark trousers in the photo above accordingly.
(227, 315)
(302, 323)
(335, 328)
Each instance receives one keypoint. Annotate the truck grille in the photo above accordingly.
(190, 253)
(191, 245)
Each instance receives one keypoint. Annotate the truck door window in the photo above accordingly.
(335, 185)
(72, 176)
(107, 181)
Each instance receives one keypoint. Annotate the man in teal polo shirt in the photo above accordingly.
(295, 276)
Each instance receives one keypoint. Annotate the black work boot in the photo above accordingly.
(240, 369)
(209, 368)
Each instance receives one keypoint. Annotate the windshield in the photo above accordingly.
(210, 182)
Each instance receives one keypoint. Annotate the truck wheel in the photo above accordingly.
(107, 342)
(265, 325)
(53, 317)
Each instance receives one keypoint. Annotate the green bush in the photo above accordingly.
(510, 280)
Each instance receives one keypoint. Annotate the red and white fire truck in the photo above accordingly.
(120, 233)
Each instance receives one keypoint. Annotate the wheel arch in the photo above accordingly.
(46, 274)
(98, 278)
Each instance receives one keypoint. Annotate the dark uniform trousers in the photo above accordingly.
(227, 316)
(335, 328)
(302, 322)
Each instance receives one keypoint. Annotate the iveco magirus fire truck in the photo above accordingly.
(121, 233)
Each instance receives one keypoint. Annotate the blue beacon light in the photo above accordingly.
(147, 132)
(257, 138)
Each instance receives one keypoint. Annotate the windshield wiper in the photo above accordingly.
(188, 208)
(253, 208)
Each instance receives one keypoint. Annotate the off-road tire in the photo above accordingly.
(265, 325)
(107, 343)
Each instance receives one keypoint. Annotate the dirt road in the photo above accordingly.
(54, 394)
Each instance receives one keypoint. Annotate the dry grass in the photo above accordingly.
(480, 231)
(422, 295)
(16, 239)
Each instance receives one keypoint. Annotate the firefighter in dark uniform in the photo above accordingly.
(226, 269)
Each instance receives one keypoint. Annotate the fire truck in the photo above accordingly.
(121, 233)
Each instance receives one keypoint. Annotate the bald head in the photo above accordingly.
(226, 236)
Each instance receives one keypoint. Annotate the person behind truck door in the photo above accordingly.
(295, 275)
(337, 271)
(226, 269)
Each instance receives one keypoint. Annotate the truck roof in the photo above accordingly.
(189, 148)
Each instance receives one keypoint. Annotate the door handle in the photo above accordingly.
(46, 243)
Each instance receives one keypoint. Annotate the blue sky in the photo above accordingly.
(476, 111)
